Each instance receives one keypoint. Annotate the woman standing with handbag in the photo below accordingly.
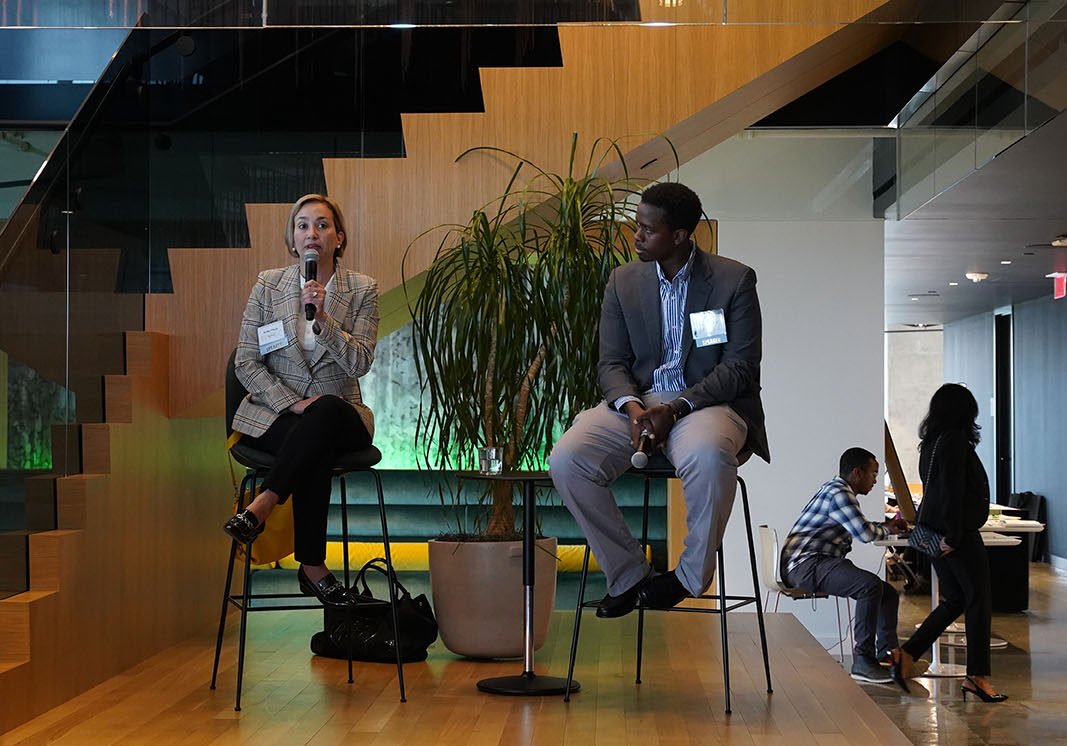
(955, 505)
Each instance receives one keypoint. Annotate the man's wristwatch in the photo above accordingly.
(678, 408)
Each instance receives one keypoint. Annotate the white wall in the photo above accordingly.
(914, 361)
(798, 212)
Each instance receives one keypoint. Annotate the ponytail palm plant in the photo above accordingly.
(505, 325)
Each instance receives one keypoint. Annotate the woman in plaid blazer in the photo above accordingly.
(304, 404)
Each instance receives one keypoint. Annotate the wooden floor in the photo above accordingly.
(291, 697)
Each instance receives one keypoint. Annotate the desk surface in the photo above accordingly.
(989, 538)
(1010, 525)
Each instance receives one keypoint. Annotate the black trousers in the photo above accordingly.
(964, 577)
(876, 600)
(306, 447)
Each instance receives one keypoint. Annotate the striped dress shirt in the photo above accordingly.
(669, 376)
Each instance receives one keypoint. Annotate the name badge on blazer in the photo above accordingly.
(271, 337)
(709, 327)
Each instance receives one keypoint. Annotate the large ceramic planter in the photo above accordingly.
(478, 595)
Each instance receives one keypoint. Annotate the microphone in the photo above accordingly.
(640, 458)
(311, 271)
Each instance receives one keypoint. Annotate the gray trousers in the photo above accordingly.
(876, 600)
(703, 448)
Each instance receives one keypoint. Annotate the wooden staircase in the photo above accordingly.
(136, 543)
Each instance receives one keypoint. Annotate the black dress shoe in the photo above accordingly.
(329, 590)
(244, 527)
(615, 606)
(663, 591)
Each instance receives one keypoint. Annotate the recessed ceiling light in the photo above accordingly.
(914, 298)
(953, 284)
(1005, 261)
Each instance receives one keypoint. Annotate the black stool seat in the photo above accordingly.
(361, 460)
(659, 467)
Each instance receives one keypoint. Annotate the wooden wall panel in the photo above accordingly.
(699, 84)
(615, 81)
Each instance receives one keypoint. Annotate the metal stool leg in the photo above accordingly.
(344, 551)
(577, 625)
(392, 590)
(755, 583)
(725, 636)
(229, 584)
(640, 607)
(245, 601)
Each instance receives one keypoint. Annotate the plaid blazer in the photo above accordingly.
(344, 349)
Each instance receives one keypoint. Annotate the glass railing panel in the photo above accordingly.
(36, 401)
(954, 126)
(848, 11)
(1007, 79)
(327, 13)
(131, 13)
(1000, 91)
(1046, 70)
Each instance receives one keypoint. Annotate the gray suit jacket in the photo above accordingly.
(345, 348)
(631, 340)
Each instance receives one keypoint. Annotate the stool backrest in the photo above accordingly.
(235, 393)
(770, 565)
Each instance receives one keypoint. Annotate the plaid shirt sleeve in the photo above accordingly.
(846, 511)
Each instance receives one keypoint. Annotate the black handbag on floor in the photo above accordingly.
(922, 538)
(369, 629)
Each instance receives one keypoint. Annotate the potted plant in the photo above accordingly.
(505, 347)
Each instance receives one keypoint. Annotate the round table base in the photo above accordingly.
(945, 671)
(957, 640)
(527, 684)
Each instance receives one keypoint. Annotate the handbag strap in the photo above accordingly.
(929, 472)
(378, 565)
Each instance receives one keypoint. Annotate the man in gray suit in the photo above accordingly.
(680, 349)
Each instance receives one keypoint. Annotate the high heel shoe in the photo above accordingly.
(981, 693)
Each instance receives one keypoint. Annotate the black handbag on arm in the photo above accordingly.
(369, 629)
(923, 538)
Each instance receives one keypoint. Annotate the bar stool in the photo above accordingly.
(257, 463)
(660, 468)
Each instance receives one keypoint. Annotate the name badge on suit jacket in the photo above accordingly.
(271, 337)
(709, 327)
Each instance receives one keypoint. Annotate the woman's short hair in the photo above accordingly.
(338, 222)
(952, 407)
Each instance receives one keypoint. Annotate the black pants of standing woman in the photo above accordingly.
(306, 447)
(964, 577)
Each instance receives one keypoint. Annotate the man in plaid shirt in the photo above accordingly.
(813, 560)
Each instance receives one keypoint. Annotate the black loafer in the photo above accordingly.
(663, 591)
(615, 606)
(329, 590)
(244, 527)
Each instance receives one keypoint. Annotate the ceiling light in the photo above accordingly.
(953, 284)
(1060, 241)
(1005, 261)
(976, 277)
(914, 298)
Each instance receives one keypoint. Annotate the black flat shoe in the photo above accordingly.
(981, 693)
(330, 591)
(244, 527)
(664, 591)
(612, 607)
